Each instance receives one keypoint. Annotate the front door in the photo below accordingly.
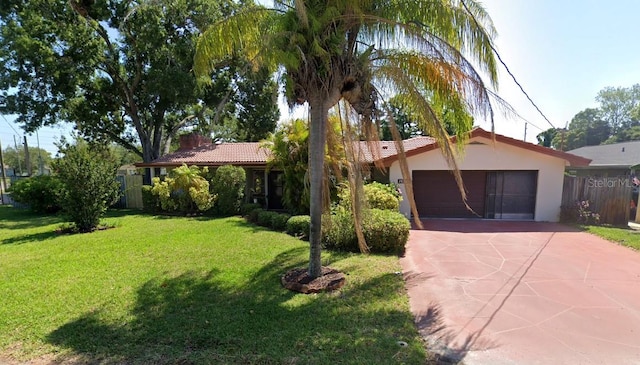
(275, 190)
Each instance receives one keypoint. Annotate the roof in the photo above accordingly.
(243, 154)
(388, 149)
(572, 159)
(251, 154)
(624, 154)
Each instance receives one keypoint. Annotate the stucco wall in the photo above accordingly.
(497, 156)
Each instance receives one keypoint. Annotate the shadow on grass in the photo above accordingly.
(29, 238)
(198, 318)
(13, 218)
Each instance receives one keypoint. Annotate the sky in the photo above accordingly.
(561, 51)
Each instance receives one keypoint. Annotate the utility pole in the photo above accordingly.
(15, 144)
(4, 176)
(525, 131)
(27, 158)
(40, 163)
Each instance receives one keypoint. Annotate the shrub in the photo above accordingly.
(246, 208)
(299, 226)
(150, 202)
(279, 221)
(253, 215)
(41, 193)
(580, 213)
(228, 184)
(88, 174)
(184, 190)
(385, 231)
(265, 218)
(382, 196)
(338, 231)
(377, 196)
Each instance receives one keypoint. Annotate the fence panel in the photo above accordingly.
(610, 197)
(133, 191)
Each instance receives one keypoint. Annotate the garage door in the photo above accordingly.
(491, 194)
(437, 194)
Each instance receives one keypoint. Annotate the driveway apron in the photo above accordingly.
(492, 292)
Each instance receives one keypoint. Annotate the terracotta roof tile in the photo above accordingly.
(246, 153)
(388, 148)
(250, 153)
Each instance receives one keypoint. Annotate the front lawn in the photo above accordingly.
(190, 291)
(624, 236)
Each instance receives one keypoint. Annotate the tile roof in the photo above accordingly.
(245, 153)
(617, 154)
(250, 153)
(388, 149)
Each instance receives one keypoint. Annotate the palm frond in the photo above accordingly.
(242, 32)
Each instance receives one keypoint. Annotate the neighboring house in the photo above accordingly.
(505, 178)
(127, 170)
(608, 160)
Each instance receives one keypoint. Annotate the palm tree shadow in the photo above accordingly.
(448, 345)
(197, 317)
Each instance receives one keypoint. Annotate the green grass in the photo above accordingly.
(190, 291)
(624, 236)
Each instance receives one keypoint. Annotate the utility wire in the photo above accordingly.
(10, 125)
(507, 68)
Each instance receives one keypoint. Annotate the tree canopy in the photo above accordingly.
(587, 128)
(120, 70)
(617, 119)
(16, 159)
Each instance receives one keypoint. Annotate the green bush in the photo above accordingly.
(246, 208)
(41, 193)
(266, 217)
(150, 202)
(184, 190)
(338, 231)
(382, 196)
(253, 215)
(228, 184)
(263, 218)
(385, 231)
(298, 226)
(279, 221)
(88, 174)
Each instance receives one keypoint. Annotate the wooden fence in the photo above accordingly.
(610, 197)
(131, 187)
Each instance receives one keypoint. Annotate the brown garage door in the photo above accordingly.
(437, 194)
(491, 194)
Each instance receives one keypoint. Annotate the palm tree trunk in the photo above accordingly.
(317, 142)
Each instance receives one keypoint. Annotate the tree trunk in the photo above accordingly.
(317, 141)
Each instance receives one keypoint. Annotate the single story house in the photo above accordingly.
(505, 178)
(608, 160)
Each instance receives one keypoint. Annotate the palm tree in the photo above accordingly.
(363, 51)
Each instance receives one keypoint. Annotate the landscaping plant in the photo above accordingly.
(40, 193)
(185, 190)
(228, 183)
(88, 176)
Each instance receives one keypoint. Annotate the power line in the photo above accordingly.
(507, 68)
(10, 125)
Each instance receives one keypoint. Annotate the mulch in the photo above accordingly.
(298, 280)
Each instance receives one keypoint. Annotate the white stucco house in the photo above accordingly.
(504, 178)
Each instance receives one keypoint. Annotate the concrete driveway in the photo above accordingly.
(490, 292)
